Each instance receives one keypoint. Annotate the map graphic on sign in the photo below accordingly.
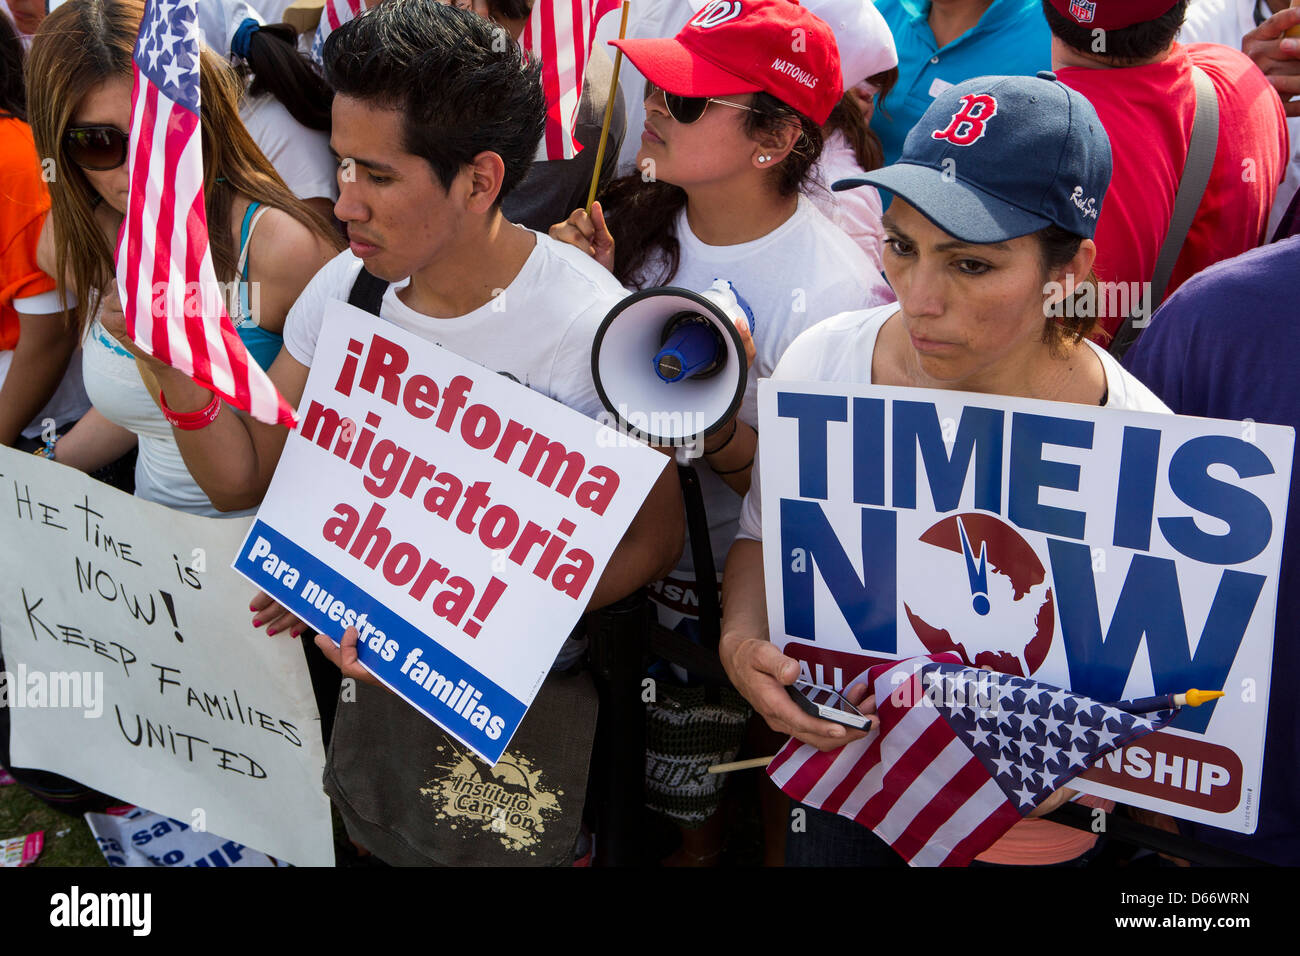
(1008, 623)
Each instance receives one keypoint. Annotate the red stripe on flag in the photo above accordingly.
(951, 798)
(983, 836)
(551, 81)
(196, 248)
(332, 15)
(135, 212)
(852, 777)
(180, 127)
(789, 750)
(907, 769)
(806, 777)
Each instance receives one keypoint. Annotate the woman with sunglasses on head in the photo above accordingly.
(995, 204)
(734, 111)
(265, 243)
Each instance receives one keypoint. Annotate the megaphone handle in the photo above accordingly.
(706, 577)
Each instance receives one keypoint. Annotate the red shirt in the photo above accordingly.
(24, 201)
(1147, 112)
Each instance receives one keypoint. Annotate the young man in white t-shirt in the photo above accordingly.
(435, 120)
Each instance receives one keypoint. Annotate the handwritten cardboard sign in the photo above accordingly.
(1118, 554)
(133, 666)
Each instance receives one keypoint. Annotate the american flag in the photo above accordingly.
(172, 302)
(560, 33)
(334, 15)
(959, 755)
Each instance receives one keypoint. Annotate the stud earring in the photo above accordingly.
(763, 159)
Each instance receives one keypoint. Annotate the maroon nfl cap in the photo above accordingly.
(1112, 14)
(747, 46)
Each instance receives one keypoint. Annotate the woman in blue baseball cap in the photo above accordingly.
(995, 202)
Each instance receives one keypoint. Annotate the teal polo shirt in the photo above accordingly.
(1011, 38)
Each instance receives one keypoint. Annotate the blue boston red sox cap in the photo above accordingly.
(998, 157)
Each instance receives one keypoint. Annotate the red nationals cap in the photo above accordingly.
(1112, 14)
(747, 46)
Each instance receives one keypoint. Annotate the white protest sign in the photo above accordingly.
(1118, 554)
(134, 667)
(457, 519)
(135, 836)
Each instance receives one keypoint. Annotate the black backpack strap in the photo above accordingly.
(367, 291)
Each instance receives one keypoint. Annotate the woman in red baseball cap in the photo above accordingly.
(734, 109)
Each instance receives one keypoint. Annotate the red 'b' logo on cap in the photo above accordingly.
(968, 123)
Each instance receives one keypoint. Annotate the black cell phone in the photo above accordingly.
(826, 703)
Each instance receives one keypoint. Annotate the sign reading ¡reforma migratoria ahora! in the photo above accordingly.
(456, 518)
(1118, 554)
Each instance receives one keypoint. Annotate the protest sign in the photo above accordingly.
(458, 519)
(1117, 554)
(134, 836)
(133, 666)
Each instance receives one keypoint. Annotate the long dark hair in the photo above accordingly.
(13, 96)
(278, 68)
(79, 46)
(642, 216)
(848, 119)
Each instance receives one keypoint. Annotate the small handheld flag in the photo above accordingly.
(171, 299)
(958, 757)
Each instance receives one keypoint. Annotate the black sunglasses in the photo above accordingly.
(97, 148)
(688, 109)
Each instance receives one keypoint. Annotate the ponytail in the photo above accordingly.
(279, 69)
(847, 118)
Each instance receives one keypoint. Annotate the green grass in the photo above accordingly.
(68, 841)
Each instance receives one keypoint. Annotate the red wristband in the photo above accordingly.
(190, 421)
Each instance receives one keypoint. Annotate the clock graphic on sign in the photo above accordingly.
(984, 595)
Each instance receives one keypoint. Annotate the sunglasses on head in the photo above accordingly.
(688, 109)
(97, 148)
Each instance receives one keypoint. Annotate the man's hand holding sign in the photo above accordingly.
(449, 511)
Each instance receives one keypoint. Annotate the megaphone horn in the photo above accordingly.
(669, 364)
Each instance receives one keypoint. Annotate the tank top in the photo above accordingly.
(115, 388)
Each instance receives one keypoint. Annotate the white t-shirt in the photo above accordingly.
(792, 278)
(69, 401)
(538, 331)
(841, 349)
(300, 155)
(857, 211)
(1226, 22)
